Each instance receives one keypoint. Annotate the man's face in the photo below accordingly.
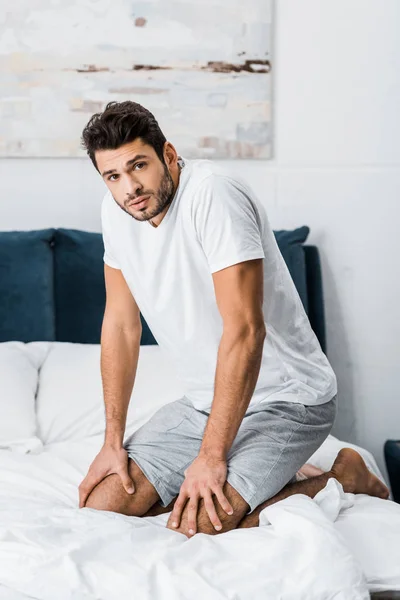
(134, 170)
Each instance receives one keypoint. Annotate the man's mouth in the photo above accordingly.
(139, 202)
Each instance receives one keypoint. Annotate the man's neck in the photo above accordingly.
(181, 164)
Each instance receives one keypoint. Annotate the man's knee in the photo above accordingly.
(111, 495)
(204, 525)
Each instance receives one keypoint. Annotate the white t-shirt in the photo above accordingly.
(214, 221)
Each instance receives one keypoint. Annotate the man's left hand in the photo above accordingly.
(204, 477)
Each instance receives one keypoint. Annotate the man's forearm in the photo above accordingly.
(238, 367)
(119, 359)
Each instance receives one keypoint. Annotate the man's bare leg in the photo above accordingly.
(349, 469)
(157, 509)
(307, 470)
(111, 495)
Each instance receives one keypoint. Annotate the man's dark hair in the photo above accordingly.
(121, 123)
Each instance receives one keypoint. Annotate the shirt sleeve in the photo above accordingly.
(109, 252)
(227, 223)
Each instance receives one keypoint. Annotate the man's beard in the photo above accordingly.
(163, 198)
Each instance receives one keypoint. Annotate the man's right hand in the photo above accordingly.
(109, 460)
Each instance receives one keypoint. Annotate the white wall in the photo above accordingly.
(336, 167)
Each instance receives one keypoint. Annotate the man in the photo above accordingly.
(190, 246)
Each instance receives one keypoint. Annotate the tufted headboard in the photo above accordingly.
(52, 284)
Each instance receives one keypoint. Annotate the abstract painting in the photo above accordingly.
(202, 67)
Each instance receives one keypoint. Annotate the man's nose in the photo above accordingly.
(132, 188)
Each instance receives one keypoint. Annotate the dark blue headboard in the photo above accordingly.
(52, 284)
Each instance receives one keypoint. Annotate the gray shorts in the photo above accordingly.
(273, 442)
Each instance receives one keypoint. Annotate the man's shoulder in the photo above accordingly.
(111, 215)
(107, 199)
(207, 177)
(211, 182)
(109, 208)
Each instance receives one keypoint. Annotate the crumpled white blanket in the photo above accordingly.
(52, 550)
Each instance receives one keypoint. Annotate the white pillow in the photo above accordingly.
(19, 364)
(70, 403)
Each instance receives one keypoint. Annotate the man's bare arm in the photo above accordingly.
(120, 345)
(239, 294)
(119, 358)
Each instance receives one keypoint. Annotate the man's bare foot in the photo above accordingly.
(351, 471)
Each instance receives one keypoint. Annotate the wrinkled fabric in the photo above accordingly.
(50, 549)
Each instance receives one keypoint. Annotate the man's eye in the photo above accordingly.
(134, 166)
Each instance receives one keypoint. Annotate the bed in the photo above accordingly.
(336, 545)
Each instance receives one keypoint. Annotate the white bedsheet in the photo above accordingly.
(335, 546)
(304, 548)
